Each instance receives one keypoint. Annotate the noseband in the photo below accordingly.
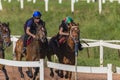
(74, 38)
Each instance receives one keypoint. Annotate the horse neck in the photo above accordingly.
(35, 41)
(70, 43)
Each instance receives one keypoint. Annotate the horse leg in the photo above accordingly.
(2, 67)
(68, 75)
(29, 72)
(51, 70)
(5, 72)
(36, 72)
(60, 72)
(21, 73)
(19, 58)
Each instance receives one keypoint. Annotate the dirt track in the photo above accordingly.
(14, 75)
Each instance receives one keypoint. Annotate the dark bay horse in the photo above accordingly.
(35, 50)
(5, 41)
(65, 52)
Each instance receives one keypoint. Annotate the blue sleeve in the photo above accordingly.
(29, 23)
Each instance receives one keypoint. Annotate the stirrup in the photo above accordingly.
(24, 50)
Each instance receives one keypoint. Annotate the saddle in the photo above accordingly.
(62, 40)
(29, 40)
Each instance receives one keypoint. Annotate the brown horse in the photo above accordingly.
(5, 41)
(35, 50)
(65, 52)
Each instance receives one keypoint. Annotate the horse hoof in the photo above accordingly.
(61, 75)
(52, 75)
(66, 76)
(7, 78)
(29, 74)
(57, 71)
(33, 78)
(22, 76)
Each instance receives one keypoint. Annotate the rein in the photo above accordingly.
(73, 38)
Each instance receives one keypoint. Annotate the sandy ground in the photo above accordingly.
(14, 75)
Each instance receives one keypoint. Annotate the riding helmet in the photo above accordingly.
(37, 14)
(68, 20)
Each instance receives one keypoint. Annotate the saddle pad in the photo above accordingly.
(29, 40)
(62, 40)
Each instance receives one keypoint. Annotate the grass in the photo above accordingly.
(105, 26)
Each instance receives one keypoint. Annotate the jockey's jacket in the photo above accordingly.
(30, 23)
(64, 26)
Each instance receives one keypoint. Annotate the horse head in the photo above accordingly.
(41, 33)
(5, 34)
(74, 33)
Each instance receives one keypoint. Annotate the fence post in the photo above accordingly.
(9, 1)
(103, 1)
(60, 1)
(76, 0)
(21, 4)
(111, 0)
(29, 0)
(100, 6)
(93, 0)
(101, 54)
(109, 72)
(88, 1)
(34, 1)
(72, 5)
(41, 68)
(118, 1)
(46, 5)
(0, 5)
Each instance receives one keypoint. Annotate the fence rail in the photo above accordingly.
(40, 64)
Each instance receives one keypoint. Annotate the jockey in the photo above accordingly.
(30, 27)
(63, 31)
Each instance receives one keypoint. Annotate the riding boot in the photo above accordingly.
(80, 46)
(24, 44)
(57, 43)
(57, 40)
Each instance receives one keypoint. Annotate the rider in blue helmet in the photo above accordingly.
(37, 14)
(30, 27)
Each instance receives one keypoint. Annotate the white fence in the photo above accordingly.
(93, 43)
(40, 64)
(84, 69)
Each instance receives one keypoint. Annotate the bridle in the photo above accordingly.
(76, 29)
(40, 31)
